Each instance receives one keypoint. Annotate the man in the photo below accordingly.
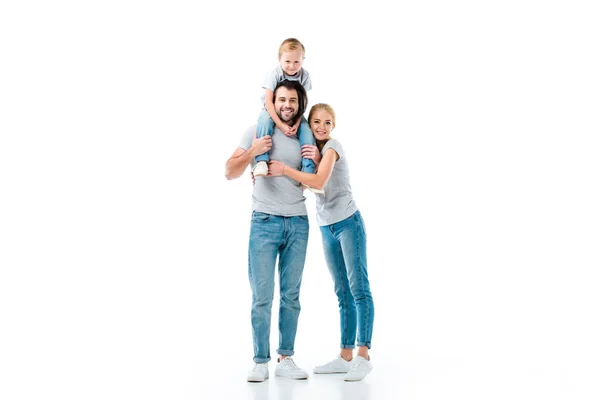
(279, 227)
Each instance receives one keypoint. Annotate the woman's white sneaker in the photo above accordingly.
(359, 369)
(259, 373)
(288, 369)
(337, 366)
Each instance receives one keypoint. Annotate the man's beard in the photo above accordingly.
(291, 117)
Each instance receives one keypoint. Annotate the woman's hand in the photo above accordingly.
(312, 152)
(275, 168)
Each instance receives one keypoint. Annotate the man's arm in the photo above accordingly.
(239, 160)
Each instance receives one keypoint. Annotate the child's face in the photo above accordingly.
(321, 124)
(291, 61)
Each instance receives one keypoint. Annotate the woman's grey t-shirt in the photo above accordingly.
(337, 203)
(278, 195)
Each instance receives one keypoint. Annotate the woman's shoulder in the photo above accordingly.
(335, 145)
(332, 143)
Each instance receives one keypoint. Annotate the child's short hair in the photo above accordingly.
(291, 44)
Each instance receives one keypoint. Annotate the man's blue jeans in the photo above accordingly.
(345, 246)
(270, 236)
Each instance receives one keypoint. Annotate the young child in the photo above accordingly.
(291, 57)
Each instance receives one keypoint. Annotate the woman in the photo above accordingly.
(344, 243)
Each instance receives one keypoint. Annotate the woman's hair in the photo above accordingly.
(325, 107)
(291, 44)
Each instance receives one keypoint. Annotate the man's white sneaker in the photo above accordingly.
(259, 373)
(359, 368)
(288, 369)
(337, 366)
(260, 169)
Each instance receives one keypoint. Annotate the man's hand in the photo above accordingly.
(261, 145)
(312, 152)
(252, 177)
(275, 168)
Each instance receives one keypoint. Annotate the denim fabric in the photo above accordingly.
(265, 127)
(305, 136)
(272, 236)
(345, 246)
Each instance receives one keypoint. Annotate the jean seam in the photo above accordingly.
(363, 331)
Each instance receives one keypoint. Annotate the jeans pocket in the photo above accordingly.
(260, 217)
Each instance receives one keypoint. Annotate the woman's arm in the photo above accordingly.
(317, 180)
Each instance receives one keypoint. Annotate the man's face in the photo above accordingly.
(286, 104)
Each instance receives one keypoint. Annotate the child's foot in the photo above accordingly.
(319, 191)
(260, 169)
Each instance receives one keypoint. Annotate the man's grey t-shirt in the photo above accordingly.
(278, 195)
(278, 75)
(337, 203)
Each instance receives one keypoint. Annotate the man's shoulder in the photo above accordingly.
(251, 129)
(247, 137)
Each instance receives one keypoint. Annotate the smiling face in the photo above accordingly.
(286, 104)
(291, 61)
(321, 123)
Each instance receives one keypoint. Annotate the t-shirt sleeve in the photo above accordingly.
(307, 83)
(270, 80)
(335, 145)
(247, 137)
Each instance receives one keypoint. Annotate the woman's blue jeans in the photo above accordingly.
(345, 246)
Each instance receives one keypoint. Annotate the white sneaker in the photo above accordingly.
(288, 369)
(259, 373)
(337, 366)
(314, 190)
(359, 368)
(260, 169)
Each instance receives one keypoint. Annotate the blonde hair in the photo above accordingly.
(291, 44)
(325, 107)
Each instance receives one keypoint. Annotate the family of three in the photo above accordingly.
(279, 229)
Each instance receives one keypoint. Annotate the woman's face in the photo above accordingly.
(321, 124)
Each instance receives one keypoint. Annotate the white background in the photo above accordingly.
(472, 132)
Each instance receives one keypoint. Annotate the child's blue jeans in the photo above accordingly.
(265, 127)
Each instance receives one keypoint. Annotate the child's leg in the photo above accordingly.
(305, 136)
(265, 127)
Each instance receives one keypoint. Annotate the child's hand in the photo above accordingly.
(312, 152)
(287, 130)
(293, 131)
(275, 168)
(252, 177)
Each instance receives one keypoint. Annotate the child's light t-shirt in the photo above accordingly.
(277, 75)
(337, 203)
